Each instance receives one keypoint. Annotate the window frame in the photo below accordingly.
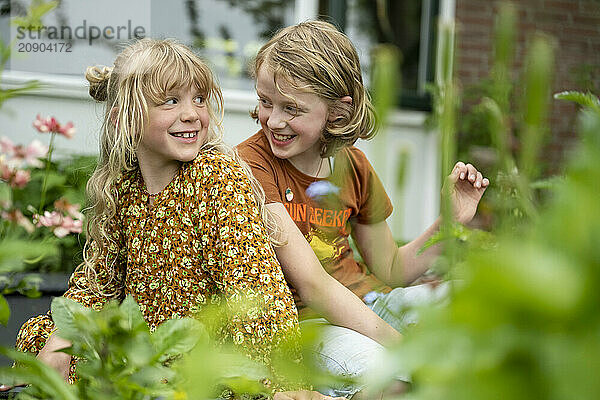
(421, 100)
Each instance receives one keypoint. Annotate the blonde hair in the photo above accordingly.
(143, 72)
(315, 57)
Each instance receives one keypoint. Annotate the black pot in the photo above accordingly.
(22, 308)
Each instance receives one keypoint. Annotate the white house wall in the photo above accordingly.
(416, 205)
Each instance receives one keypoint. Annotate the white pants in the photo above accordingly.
(344, 353)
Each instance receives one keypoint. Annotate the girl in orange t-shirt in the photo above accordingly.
(312, 107)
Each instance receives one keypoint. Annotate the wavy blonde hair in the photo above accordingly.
(315, 57)
(143, 73)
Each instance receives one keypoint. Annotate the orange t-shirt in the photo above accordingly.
(324, 208)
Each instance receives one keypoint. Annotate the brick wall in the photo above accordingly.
(575, 24)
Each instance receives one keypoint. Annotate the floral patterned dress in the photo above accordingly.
(202, 240)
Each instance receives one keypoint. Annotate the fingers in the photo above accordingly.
(468, 172)
(458, 172)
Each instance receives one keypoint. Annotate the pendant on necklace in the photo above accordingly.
(289, 195)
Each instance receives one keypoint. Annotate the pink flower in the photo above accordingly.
(61, 225)
(20, 179)
(63, 205)
(67, 131)
(32, 153)
(49, 219)
(50, 124)
(19, 156)
(5, 171)
(7, 146)
(16, 178)
(17, 217)
(67, 226)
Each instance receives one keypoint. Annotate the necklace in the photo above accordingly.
(289, 195)
(319, 169)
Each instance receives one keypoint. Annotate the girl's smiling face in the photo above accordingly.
(293, 123)
(175, 129)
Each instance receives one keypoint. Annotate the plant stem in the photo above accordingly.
(48, 161)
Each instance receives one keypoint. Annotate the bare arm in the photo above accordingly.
(400, 266)
(395, 266)
(321, 291)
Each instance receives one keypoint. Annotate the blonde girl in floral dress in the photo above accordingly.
(174, 220)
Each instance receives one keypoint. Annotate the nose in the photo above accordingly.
(276, 119)
(188, 113)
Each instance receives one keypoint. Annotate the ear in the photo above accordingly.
(335, 114)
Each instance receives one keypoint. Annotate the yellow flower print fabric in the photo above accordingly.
(202, 241)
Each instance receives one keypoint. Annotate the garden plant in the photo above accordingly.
(521, 321)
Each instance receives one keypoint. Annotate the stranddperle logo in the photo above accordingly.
(83, 31)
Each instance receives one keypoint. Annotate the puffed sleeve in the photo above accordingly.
(239, 258)
(106, 282)
(110, 270)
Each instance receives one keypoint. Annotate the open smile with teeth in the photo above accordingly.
(283, 138)
(186, 135)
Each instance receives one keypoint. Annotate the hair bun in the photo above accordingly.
(98, 77)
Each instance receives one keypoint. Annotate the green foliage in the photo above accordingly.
(15, 254)
(521, 321)
(27, 285)
(386, 60)
(44, 251)
(48, 383)
(583, 99)
(521, 324)
(32, 249)
(118, 357)
(4, 311)
(35, 11)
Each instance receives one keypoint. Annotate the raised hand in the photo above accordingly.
(468, 185)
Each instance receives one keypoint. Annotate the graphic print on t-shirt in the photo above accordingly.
(326, 248)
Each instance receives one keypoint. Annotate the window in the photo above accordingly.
(228, 33)
(407, 24)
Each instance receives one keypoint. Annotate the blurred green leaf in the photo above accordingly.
(49, 383)
(35, 11)
(583, 99)
(134, 318)
(63, 315)
(385, 81)
(4, 311)
(14, 252)
(176, 336)
(538, 81)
